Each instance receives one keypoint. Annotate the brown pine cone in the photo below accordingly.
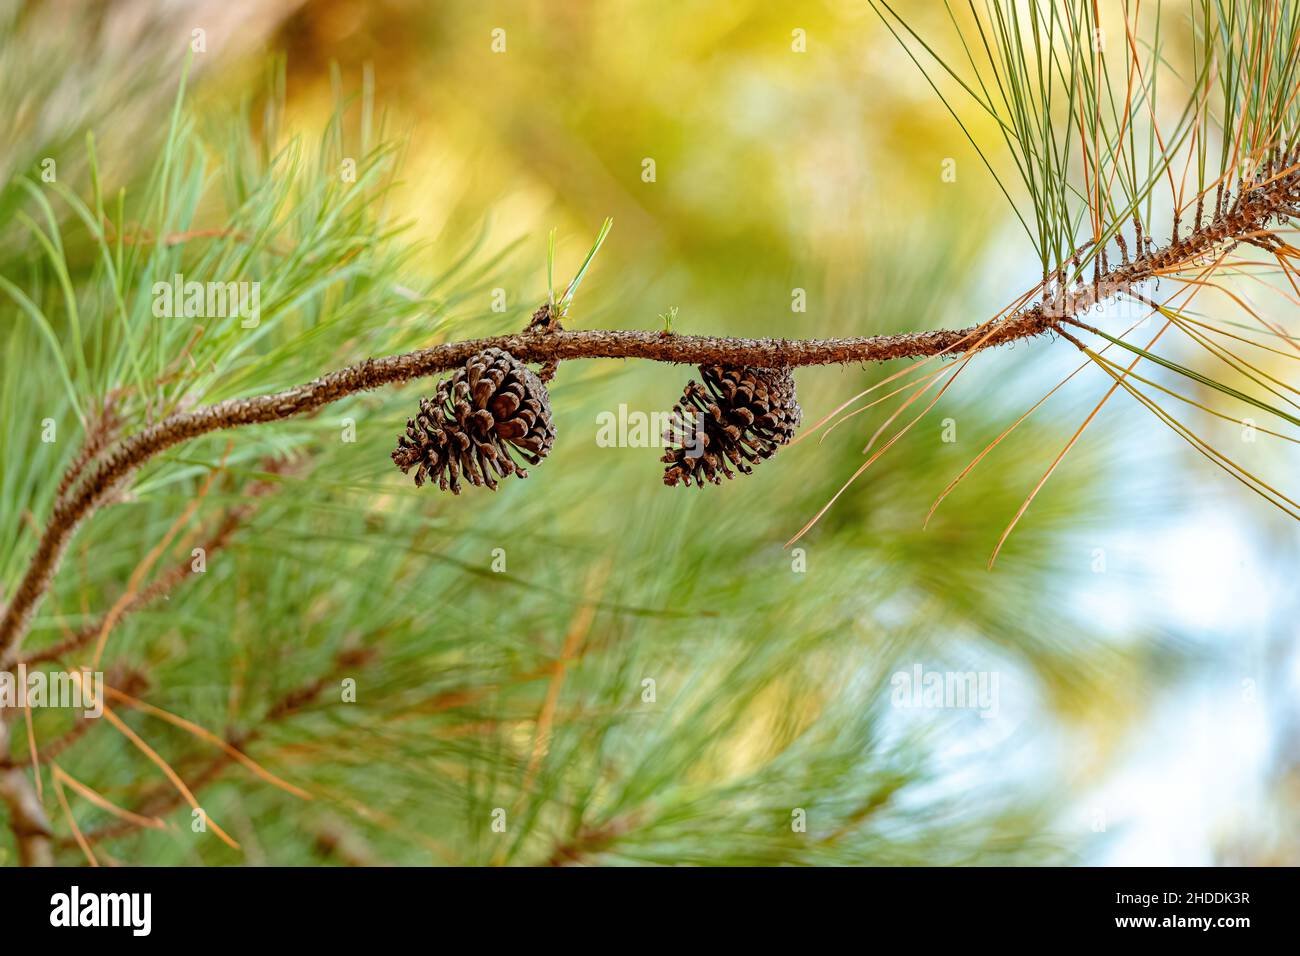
(490, 409)
(737, 417)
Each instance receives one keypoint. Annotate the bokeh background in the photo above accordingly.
(1140, 620)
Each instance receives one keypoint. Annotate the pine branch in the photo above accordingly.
(27, 818)
(114, 466)
(1245, 219)
(99, 433)
(231, 521)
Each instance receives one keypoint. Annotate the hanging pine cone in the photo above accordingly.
(746, 414)
(490, 409)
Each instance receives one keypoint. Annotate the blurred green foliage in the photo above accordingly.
(522, 690)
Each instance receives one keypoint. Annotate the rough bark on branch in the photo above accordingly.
(122, 459)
